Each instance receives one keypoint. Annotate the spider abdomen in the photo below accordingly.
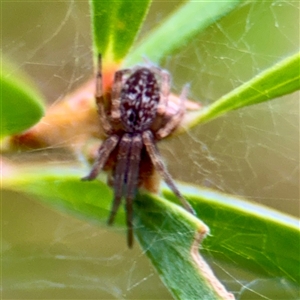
(139, 99)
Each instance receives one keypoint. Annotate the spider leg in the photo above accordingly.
(154, 154)
(132, 181)
(104, 151)
(176, 118)
(116, 91)
(165, 88)
(119, 175)
(99, 97)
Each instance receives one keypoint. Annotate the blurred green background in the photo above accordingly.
(252, 152)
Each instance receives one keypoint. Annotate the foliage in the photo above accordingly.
(165, 231)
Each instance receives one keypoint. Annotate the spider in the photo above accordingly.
(138, 116)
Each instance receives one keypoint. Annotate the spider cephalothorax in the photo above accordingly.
(138, 116)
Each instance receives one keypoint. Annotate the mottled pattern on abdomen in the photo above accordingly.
(139, 99)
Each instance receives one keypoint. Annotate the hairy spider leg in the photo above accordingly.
(154, 154)
(165, 88)
(100, 99)
(132, 182)
(119, 175)
(176, 119)
(104, 151)
(116, 93)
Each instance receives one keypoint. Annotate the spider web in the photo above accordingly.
(252, 152)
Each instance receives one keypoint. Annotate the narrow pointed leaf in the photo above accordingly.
(171, 237)
(130, 16)
(21, 103)
(102, 13)
(252, 236)
(115, 25)
(179, 28)
(278, 80)
(63, 189)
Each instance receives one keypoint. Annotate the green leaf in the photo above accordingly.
(116, 24)
(62, 188)
(278, 80)
(170, 237)
(251, 236)
(175, 31)
(21, 104)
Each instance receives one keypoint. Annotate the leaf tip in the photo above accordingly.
(204, 268)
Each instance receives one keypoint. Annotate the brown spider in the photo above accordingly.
(138, 116)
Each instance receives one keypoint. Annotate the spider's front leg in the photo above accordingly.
(116, 92)
(100, 97)
(175, 119)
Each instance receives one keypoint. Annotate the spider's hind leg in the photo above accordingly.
(119, 175)
(154, 154)
(132, 182)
